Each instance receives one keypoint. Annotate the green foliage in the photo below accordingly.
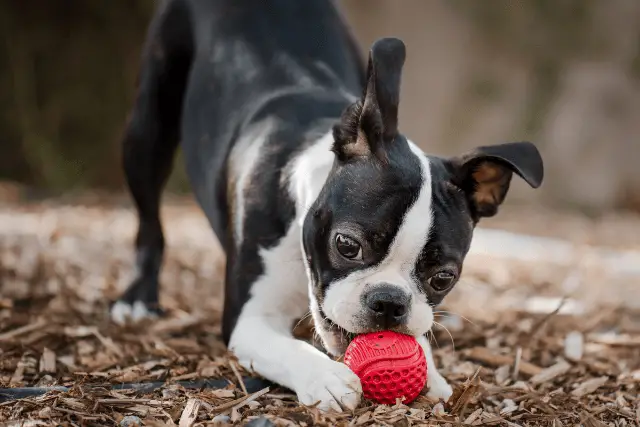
(67, 82)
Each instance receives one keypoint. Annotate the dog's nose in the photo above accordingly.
(388, 305)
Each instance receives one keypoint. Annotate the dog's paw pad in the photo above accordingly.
(123, 312)
(335, 387)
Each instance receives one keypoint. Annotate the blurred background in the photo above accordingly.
(562, 73)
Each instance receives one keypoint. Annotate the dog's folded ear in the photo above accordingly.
(372, 122)
(485, 173)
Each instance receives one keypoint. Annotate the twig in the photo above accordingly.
(81, 414)
(128, 402)
(484, 355)
(235, 402)
(7, 336)
(251, 398)
(238, 376)
(538, 326)
(516, 364)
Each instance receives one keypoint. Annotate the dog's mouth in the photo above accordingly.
(323, 333)
(329, 336)
(341, 332)
(336, 339)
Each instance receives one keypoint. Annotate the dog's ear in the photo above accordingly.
(372, 122)
(485, 173)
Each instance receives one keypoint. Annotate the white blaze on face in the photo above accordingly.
(342, 302)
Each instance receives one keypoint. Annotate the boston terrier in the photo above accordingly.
(293, 150)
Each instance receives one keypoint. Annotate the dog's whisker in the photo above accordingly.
(302, 319)
(444, 313)
(432, 338)
(450, 336)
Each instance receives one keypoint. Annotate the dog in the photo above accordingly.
(293, 151)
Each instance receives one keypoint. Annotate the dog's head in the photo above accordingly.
(386, 238)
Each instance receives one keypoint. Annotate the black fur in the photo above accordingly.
(371, 124)
(451, 230)
(496, 164)
(210, 70)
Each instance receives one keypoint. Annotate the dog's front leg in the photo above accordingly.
(438, 387)
(263, 342)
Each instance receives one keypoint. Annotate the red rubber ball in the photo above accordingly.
(390, 365)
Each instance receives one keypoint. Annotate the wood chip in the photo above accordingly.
(589, 386)
(475, 415)
(508, 407)
(10, 335)
(612, 339)
(108, 343)
(502, 374)
(18, 375)
(574, 346)
(164, 326)
(484, 355)
(190, 413)
(550, 373)
(48, 361)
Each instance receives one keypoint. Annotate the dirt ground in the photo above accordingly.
(527, 341)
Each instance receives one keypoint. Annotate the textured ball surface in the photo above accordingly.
(390, 365)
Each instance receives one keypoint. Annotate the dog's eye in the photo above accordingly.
(441, 281)
(348, 247)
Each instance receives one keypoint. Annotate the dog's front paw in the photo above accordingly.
(332, 385)
(438, 387)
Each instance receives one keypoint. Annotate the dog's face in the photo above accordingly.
(387, 236)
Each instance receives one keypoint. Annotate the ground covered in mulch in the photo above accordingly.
(563, 360)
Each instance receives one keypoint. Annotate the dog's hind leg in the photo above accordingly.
(149, 145)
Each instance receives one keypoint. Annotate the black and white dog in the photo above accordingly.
(321, 204)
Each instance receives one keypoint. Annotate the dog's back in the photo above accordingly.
(240, 60)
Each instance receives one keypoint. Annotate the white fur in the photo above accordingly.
(242, 161)
(342, 302)
(438, 386)
(308, 174)
(121, 312)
